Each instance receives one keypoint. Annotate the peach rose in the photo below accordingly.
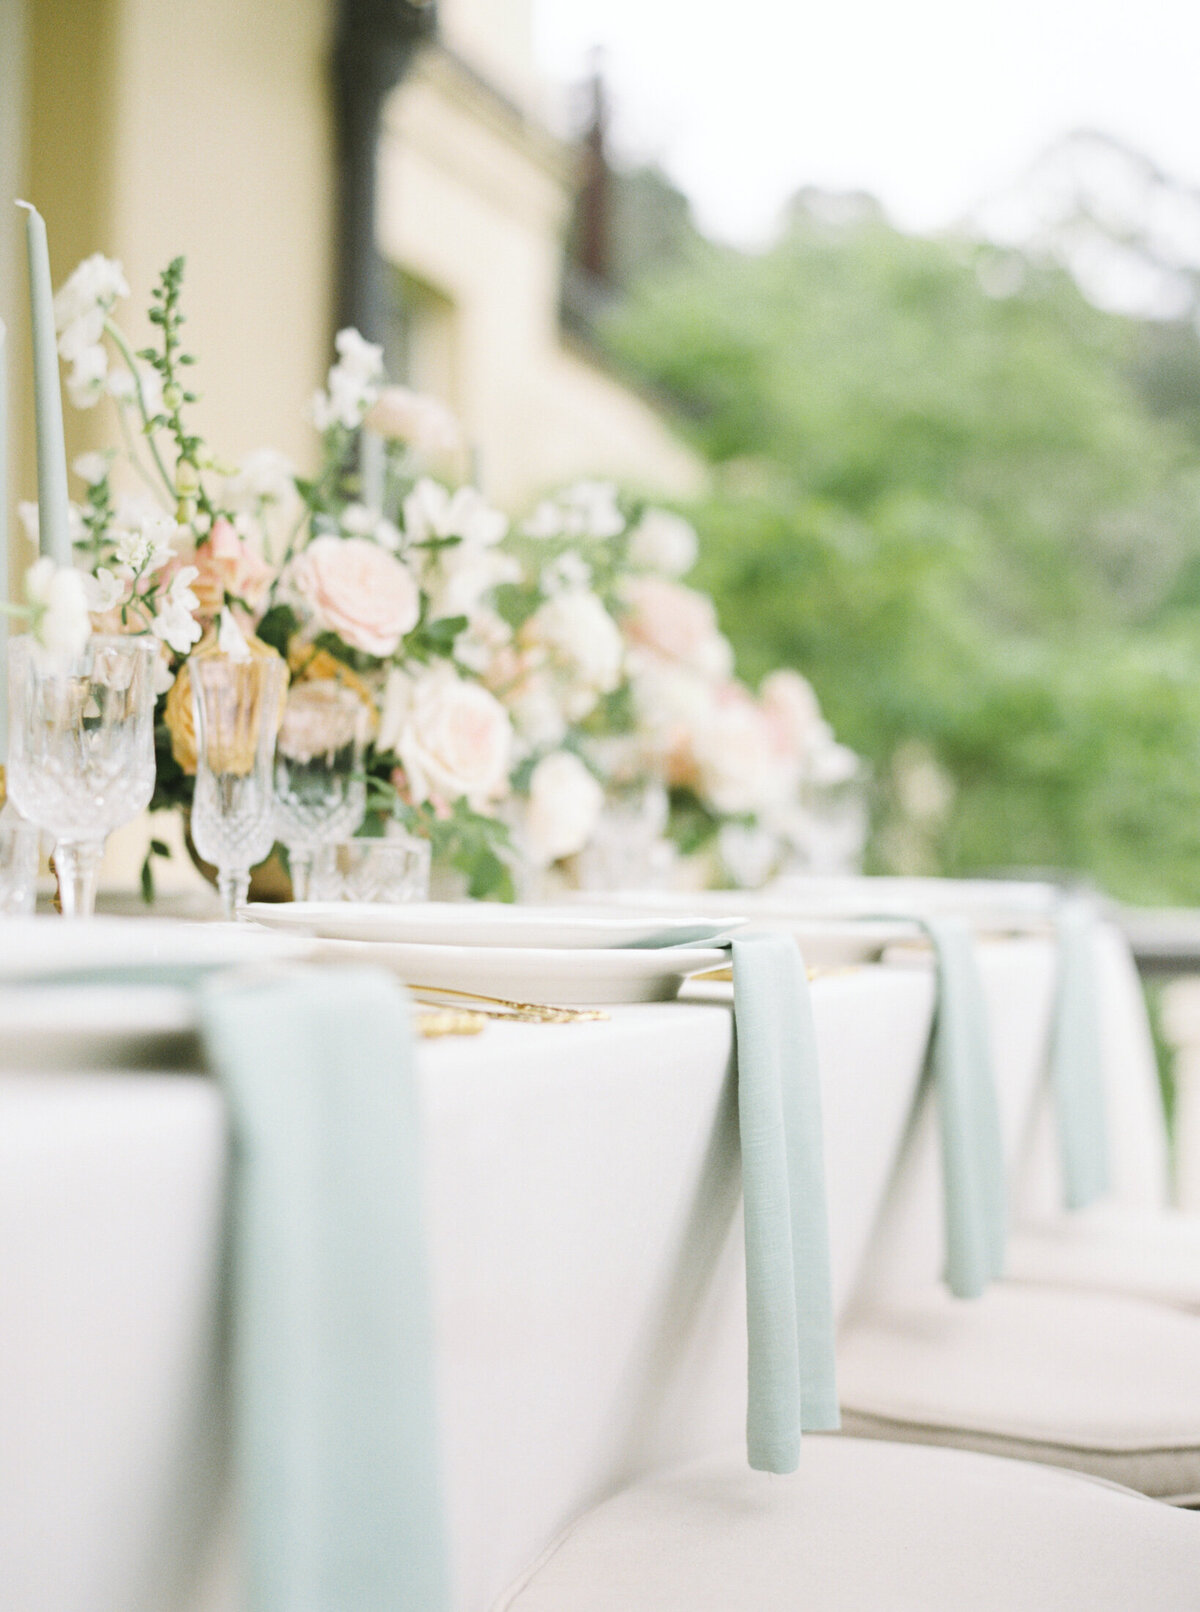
(677, 623)
(227, 564)
(455, 739)
(359, 591)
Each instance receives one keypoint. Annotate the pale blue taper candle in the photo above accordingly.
(3, 543)
(54, 527)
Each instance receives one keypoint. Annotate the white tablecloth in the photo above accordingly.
(583, 1224)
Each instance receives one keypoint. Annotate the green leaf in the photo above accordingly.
(277, 627)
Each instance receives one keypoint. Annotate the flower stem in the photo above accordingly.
(131, 364)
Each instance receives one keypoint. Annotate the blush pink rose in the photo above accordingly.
(455, 740)
(227, 564)
(677, 623)
(359, 591)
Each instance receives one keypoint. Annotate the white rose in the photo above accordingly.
(456, 740)
(537, 714)
(663, 542)
(581, 644)
(565, 803)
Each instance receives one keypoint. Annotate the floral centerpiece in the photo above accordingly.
(371, 572)
(533, 694)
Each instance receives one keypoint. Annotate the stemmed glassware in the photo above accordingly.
(237, 706)
(320, 787)
(81, 749)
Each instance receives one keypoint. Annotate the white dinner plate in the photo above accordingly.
(825, 942)
(486, 923)
(563, 977)
(32, 948)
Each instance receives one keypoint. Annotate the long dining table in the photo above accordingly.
(582, 1213)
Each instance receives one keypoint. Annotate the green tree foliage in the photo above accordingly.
(966, 503)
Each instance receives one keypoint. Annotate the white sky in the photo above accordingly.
(929, 104)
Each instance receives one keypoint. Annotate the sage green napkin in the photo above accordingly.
(789, 1305)
(1076, 1061)
(959, 1061)
(335, 1420)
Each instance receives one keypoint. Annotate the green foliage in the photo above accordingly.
(973, 520)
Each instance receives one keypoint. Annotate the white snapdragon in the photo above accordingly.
(432, 511)
(588, 509)
(123, 387)
(92, 468)
(104, 590)
(569, 571)
(264, 479)
(456, 574)
(663, 542)
(58, 607)
(143, 538)
(175, 621)
(80, 309)
(85, 383)
(94, 288)
(352, 384)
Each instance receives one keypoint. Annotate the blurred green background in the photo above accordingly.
(965, 502)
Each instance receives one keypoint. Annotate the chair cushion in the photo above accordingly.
(868, 1527)
(1143, 1253)
(1106, 1385)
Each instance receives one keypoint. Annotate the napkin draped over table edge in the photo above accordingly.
(791, 1385)
(336, 1430)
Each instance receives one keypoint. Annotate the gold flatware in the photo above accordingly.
(448, 1021)
(499, 1007)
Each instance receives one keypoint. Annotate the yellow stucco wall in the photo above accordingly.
(473, 200)
(199, 127)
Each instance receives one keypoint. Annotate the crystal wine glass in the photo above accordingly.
(237, 706)
(81, 749)
(320, 789)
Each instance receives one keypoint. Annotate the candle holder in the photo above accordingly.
(236, 704)
(81, 749)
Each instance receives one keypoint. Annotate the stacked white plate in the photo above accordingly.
(564, 957)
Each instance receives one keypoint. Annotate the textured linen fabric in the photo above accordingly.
(972, 1142)
(867, 1527)
(333, 1348)
(1077, 1060)
(1108, 1386)
(789, 1304)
